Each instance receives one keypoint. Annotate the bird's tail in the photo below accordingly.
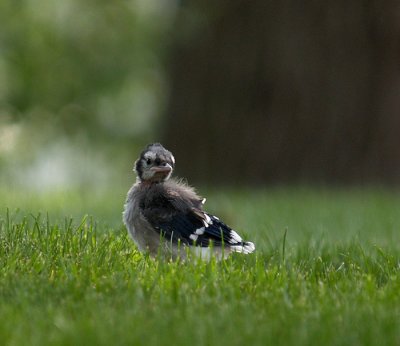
(245, 247)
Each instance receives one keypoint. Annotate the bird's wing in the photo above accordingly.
(192, 227)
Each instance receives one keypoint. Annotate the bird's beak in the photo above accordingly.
(162, 169)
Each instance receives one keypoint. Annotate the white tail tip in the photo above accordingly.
(246, 247)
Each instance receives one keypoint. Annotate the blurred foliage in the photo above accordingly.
(80, 73)
(81, 64)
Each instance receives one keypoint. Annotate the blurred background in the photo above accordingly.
(244, 93)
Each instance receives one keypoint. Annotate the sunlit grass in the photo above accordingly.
(335, 280)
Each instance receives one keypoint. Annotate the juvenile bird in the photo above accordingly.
(166, 215)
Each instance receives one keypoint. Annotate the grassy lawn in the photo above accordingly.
(67, 279)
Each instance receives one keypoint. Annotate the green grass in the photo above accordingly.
(333, 281)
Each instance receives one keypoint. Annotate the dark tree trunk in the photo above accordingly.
(284, 91)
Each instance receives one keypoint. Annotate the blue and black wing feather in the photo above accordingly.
(189, 225)
(190, 229)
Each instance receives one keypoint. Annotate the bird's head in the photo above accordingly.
(155, 164)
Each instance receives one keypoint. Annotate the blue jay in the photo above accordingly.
(163, 214)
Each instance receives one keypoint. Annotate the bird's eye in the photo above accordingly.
(148, 161)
